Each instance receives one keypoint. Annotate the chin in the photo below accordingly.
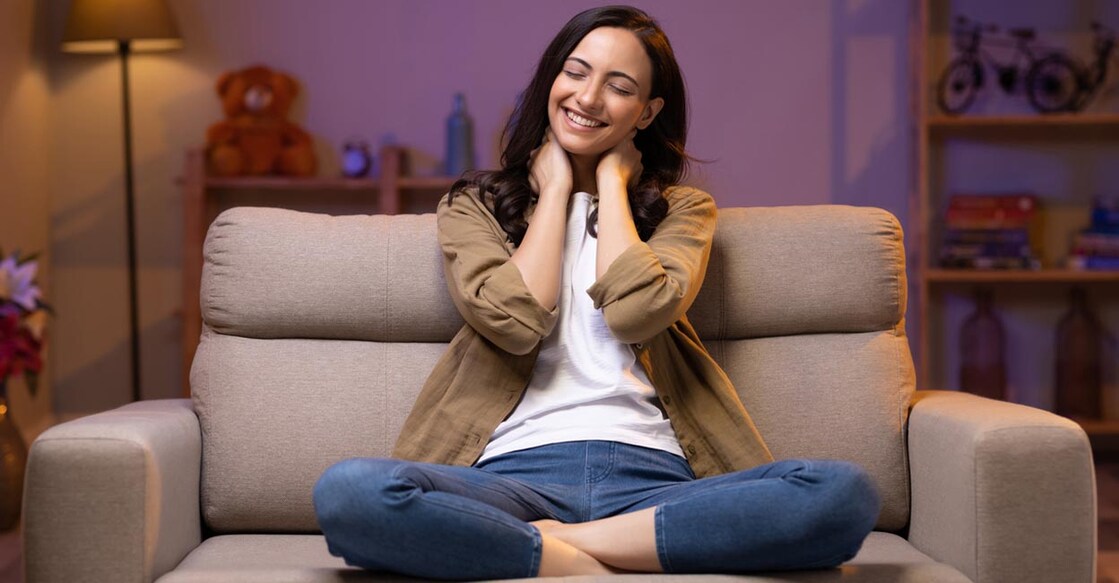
(576, 147)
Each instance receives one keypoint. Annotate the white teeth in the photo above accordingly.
(590, 123)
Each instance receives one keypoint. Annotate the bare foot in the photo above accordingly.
(559, 559)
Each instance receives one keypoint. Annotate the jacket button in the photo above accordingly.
(666, 399)
(691, 449)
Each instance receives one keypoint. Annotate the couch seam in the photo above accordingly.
(975, 512)
(902, 407)
(390, 326)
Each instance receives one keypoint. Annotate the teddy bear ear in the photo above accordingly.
(286, 83)
(223, 82)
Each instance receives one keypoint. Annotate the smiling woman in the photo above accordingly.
(601, 96)
(585, 47)
(576, 425)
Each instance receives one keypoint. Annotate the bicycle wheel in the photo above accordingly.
(1053, 85)
(958, 85)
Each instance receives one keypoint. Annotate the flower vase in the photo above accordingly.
(13, 459)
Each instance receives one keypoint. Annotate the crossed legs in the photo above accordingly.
(463, 523)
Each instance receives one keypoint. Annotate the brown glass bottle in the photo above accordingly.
(1078, 374)
(983, 350)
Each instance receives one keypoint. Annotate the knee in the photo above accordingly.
(848, 507)
(856, 492)
(347, 484)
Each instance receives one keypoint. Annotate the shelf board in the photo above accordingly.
(427, 182)
(1018, 276)
(324, 183)
(1099, 426)
(1080, 124)
(290, 183)
(1103, 434)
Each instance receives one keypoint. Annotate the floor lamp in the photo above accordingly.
(123, 27)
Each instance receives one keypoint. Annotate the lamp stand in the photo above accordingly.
(124, 50)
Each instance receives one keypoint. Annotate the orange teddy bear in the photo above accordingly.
(255, 137)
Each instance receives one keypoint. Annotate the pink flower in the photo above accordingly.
(17, 282)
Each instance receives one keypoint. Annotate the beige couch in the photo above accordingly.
(320, 330)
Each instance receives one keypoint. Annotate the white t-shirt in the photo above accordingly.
(587, 385)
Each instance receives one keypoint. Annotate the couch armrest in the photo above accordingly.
(1002, 492)
(113, 496)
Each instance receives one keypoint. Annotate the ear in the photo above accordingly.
(651, 110)
(286, 84)
(223, 82)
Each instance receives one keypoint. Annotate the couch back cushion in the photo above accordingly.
(319, 332)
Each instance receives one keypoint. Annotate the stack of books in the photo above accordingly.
(1098, 246)
(989, 231)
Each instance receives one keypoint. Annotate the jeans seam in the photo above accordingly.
(537, 551)
(658, 531)
(609, 466)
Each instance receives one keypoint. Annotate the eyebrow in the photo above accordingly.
(610, 74)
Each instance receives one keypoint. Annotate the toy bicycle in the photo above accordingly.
(1052, 81)
(1092, 79)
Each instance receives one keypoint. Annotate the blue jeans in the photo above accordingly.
(449, 522)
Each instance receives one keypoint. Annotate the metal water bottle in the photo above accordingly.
(983, 350)
(460, 139)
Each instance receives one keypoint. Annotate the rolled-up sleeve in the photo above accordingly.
(652, 284)
(487, 288)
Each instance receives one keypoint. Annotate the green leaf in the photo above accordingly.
(32, 382)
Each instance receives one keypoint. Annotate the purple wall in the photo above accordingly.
(793, 102)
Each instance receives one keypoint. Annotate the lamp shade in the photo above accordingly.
(99, 26)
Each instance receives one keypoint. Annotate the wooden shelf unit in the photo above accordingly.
(932, 132)
(201, 205)
(1018, 276)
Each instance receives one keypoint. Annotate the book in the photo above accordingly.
(989, 231)
(1090, 243)
(990, 263)
(987, 212)
(1105, 214)
(1093, 263)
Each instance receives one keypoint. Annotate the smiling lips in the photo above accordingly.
(582, 121)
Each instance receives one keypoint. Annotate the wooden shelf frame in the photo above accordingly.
(1019, 276)
(930, 131)
(1071, 120)
(1079, 127)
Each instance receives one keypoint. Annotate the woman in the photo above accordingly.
(576, 425)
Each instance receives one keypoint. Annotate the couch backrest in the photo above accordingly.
(319, 332)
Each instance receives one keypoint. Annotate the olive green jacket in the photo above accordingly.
(644, 295)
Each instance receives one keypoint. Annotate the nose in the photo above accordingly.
(589, 97)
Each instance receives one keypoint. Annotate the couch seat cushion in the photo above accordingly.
(289, 558)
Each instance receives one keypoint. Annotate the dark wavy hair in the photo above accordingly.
(663, 158)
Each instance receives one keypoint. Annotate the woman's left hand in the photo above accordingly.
(621, 163)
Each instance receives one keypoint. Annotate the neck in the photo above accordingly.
(583, 173)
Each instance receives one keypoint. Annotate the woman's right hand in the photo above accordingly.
(550, 168)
